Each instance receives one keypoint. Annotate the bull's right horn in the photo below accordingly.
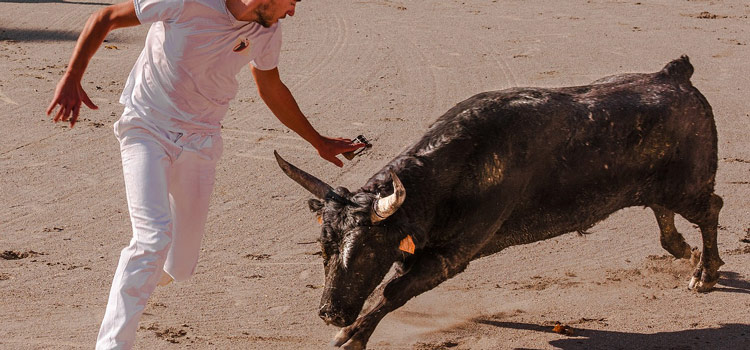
(385, 207)
(311, 183)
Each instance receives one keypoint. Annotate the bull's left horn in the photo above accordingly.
(385, 207)
(311, 183)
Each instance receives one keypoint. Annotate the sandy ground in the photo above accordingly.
(385, 69)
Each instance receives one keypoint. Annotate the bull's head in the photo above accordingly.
(357, 248)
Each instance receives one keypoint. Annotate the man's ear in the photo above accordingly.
(316, 207)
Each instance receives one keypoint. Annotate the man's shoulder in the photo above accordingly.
(204, 8)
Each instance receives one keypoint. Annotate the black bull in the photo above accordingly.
(513, 167)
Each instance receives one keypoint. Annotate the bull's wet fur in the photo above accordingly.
(516, 166)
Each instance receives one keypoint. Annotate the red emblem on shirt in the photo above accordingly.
(244, 44)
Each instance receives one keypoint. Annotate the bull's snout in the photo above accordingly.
(334, 318)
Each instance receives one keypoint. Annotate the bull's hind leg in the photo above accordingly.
(671, 240)
(706, 216)
(703, 212)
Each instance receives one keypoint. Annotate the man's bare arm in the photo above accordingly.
(69, 94)
(283, 105)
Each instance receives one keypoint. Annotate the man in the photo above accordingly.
(169, 133)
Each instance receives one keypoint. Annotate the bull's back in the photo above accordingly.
(551, 161)
(641, 140)
(580, 153)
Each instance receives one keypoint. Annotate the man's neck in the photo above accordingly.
(243, 10)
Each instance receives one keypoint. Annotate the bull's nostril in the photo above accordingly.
(325, 316)
(332, 319)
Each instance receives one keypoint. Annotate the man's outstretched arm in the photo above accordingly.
(69, 94)
(283, 105)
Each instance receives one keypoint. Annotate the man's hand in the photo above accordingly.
(279, 99)
(329, 148)
(69, 94)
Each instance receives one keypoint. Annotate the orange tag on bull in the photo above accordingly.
(407, 245)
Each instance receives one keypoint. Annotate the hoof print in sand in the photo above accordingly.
(258, 257)
(436, 346)
(17, 255)
(171, 334)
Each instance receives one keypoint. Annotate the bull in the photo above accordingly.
(513, 167)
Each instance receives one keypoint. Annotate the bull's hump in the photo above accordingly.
(679, 69)
(529, 98)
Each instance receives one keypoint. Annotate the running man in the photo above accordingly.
(174, 100)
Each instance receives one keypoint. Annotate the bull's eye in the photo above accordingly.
(323, 252)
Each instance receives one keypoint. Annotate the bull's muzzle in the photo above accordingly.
(334, 318)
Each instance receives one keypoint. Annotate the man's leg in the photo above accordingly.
(190, 187)
(145, 166)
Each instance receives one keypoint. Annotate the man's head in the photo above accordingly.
(269, 12)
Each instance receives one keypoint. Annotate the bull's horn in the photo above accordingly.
(309, 182)
(385, 207)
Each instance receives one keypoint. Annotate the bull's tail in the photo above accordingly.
(679, 69)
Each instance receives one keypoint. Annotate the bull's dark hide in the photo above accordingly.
(512, 167)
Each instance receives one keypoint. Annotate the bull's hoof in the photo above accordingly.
(353, 345)
(703, 280)
(341, 337)
(344, 340)
(701, 286)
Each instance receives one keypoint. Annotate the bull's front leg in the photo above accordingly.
(427, 271)
(376, 296)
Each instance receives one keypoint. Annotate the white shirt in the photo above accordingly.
(186, 74)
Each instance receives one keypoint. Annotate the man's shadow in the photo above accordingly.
(58, 2)
(27, 35)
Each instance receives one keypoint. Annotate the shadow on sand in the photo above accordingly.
(36, 35)
(732, 282)
(731, 336)
(727, 337)
(57, 2)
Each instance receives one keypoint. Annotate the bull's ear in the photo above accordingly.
(316, 207)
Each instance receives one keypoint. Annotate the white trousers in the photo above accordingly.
(169, 177)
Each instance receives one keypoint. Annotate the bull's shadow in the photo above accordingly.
(730, 336)
(733, 283)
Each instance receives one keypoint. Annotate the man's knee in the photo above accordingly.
(154, 238)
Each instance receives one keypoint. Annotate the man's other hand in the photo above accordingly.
(69, 94)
